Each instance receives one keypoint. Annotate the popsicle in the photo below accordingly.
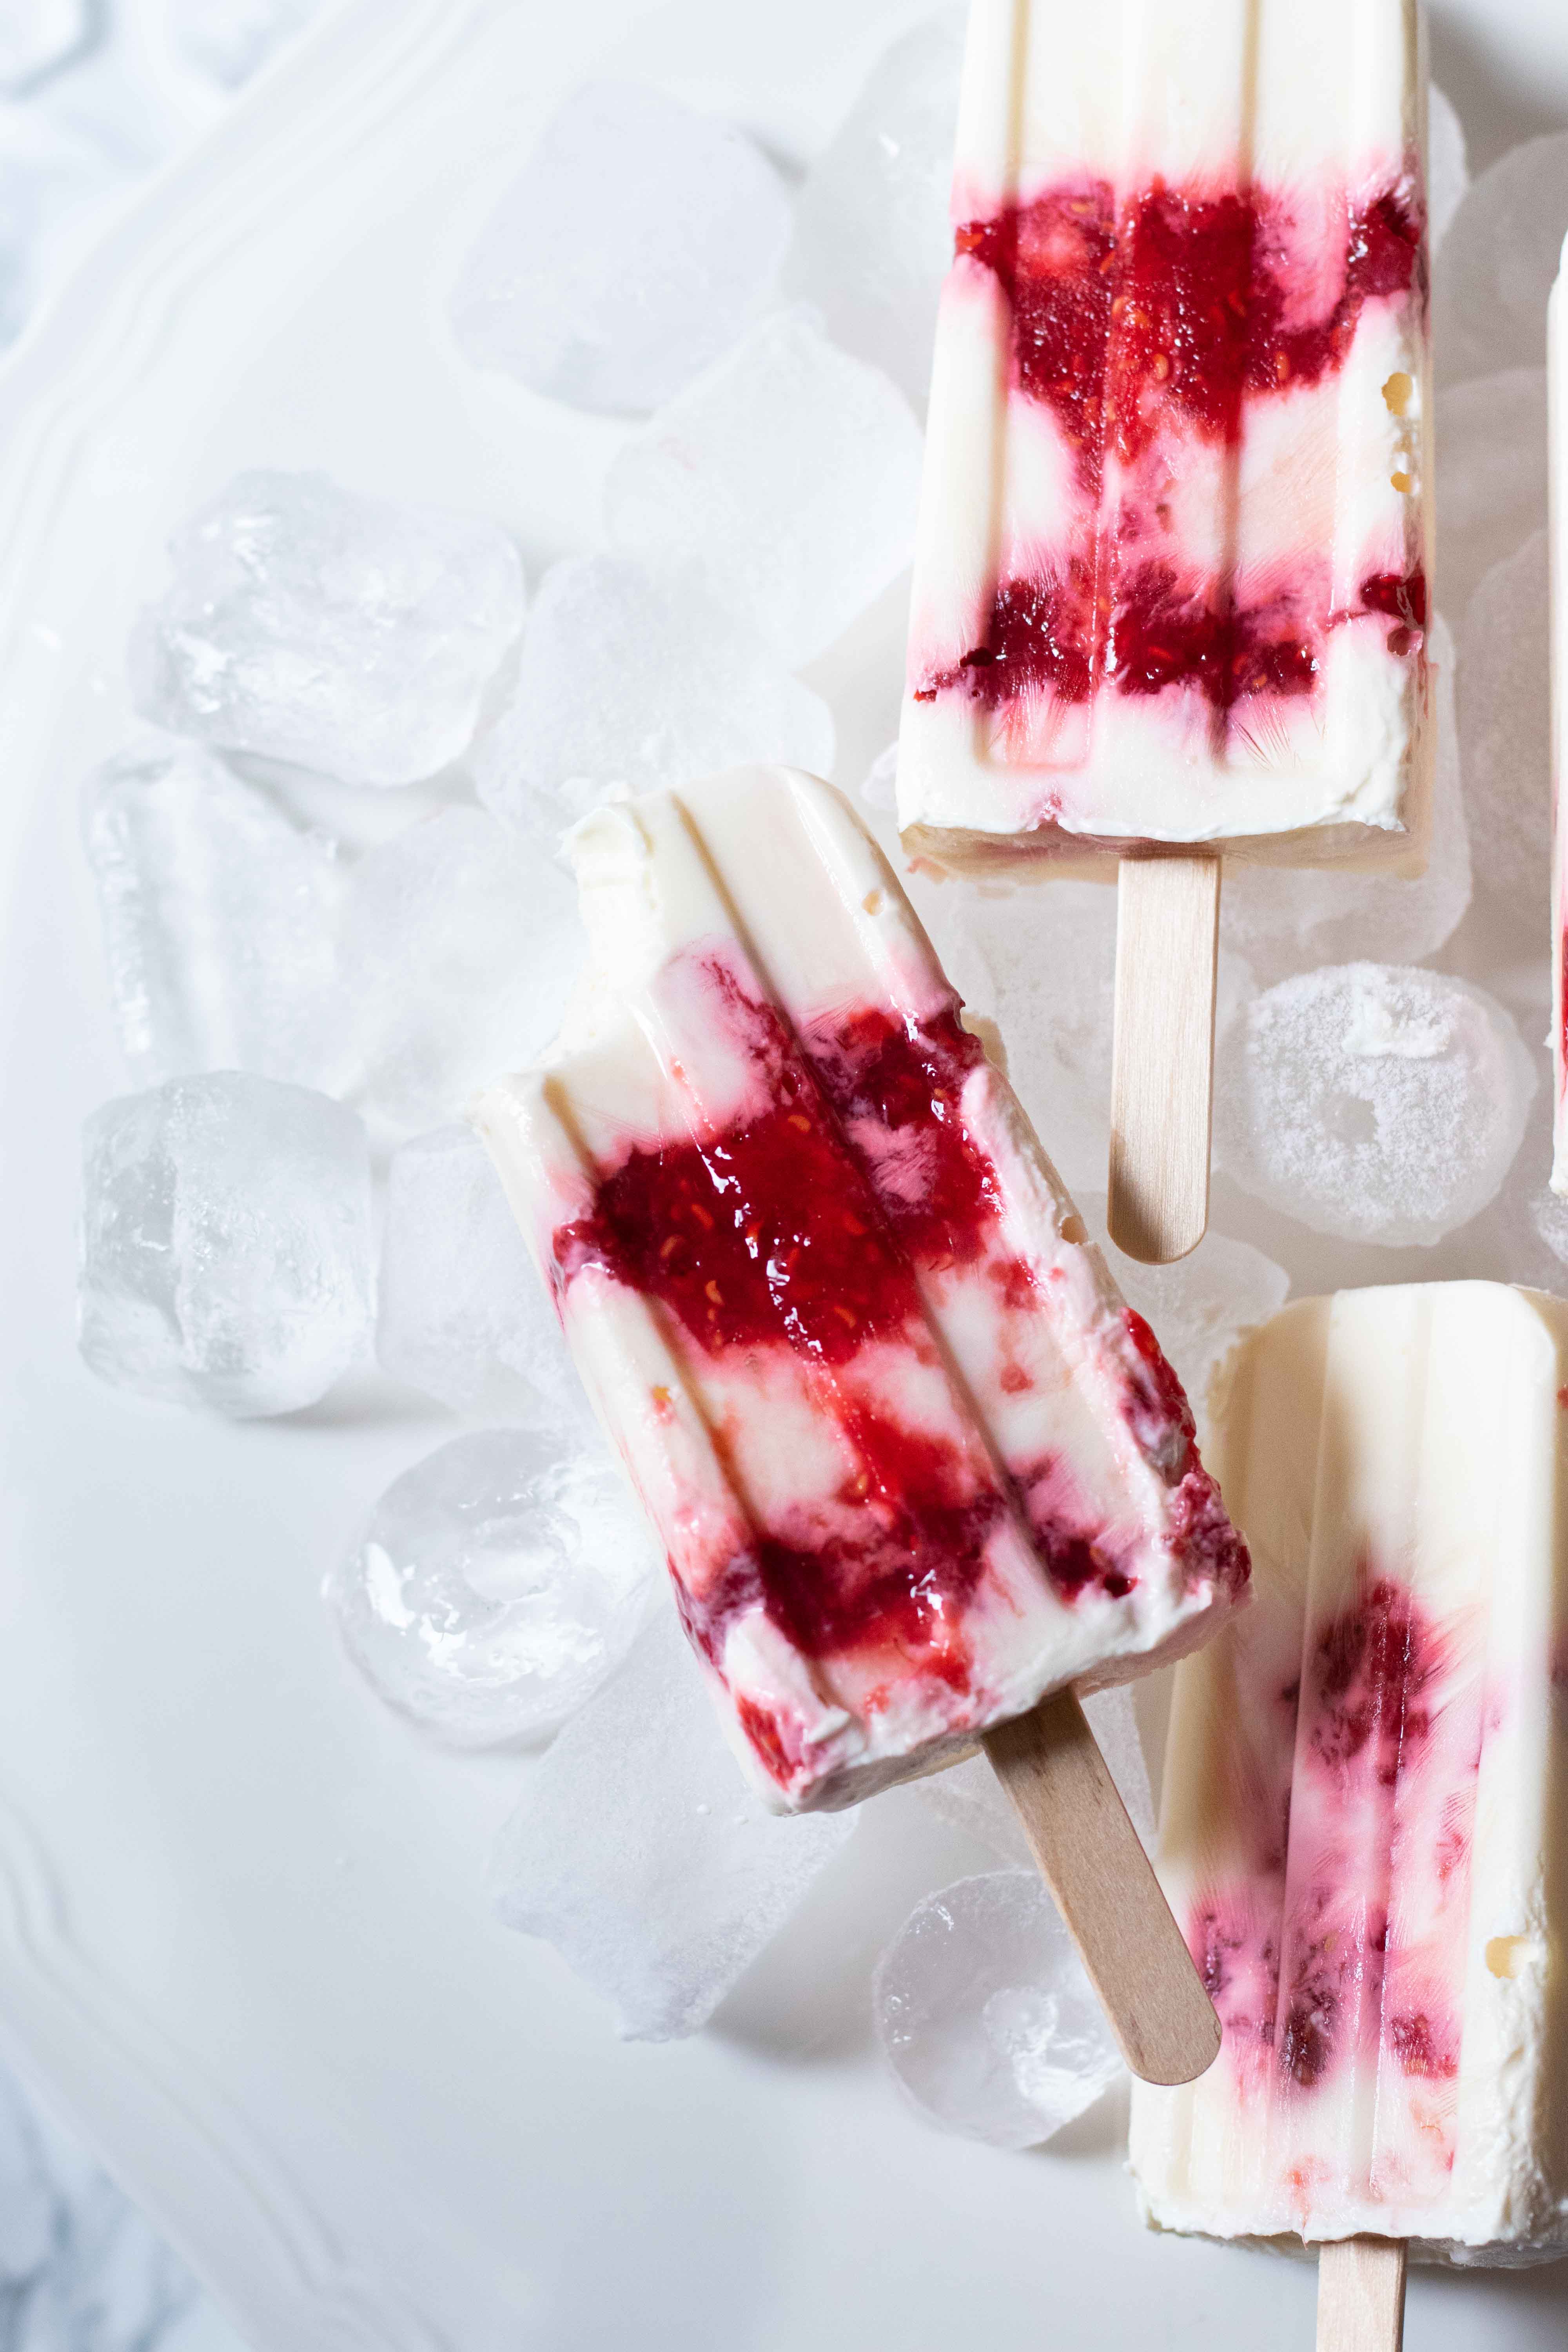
(1557, 451)
(1363, 1829)
(1170, 587)
(915, 1465)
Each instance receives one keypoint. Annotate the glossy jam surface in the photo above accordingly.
(1155, 330)
(795, 1239)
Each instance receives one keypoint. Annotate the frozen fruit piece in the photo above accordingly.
(638, 677)
(790, 471)
(986, 2016)
(495, 1585)
(219, 921)
(1379, 1102)
(972, 1799)
(229, 40)
(1361, 1786)
(1202, 1305)
(1170, 576)
(1281, 918)
(459, 1311)
(1505, 734)
(641, 1854)
(459, 942)
(636, 243)
(1447, 167)
(1491, 476)
(352, 635)
(1492, 278)
(873, 234)
(226, 1249)
(37, 37)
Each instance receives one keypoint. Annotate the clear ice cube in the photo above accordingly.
(1377, 1102)
(638, 241)
(1199, 1307)
(1505, 735)
(1447, 167)
(496, 1585)
(790, 471)
(642, 678)
(352, 635)
(986, 2016)
(972, 1799)
(1491, 476)
(460, 1310)
(1281, 917)
(873, 232)
(460, 944)
(642, 1854)
(219, 919)
(225, 1244)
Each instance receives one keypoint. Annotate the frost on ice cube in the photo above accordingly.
(972, 1797)
(1505, 735)
(495, 1585)
(1376, 1102)
(460, 945)
(226, 1249)
(229, 40)
(37, 37)
(1281, 917)
(1447, 167)
(790, 471)
(873, 232)
(460, 1311)
(1490, 281)
(1491, 476)
(351, 635)
(642, 1854)
(1201, 1306)
(638, 240)
(642, 678)
(986, 2016)
(219, 921)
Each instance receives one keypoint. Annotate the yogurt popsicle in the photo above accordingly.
(1170, 587)
(1362, 1830)
(913, 1463)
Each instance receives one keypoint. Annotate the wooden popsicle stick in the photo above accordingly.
(1360, 2296)
(1161, 1072)
(1093, 1860)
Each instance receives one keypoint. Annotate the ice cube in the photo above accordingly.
(1447, 167)
(986, 2016)
(226, 1249)
(790, 471)
(1491, 476)
(881, 789)
(460, 1311)
(1378, 1102)
(219, 921)
(642, 678)
(972, 1799)
(637, 242)
(1281, 917)
(1505, 734)
(496, 1585)
(873, 232)
(1490, 281)
(229, 40)
(37, 37)
(352, 635)
(460, 945)
(644, 1858)
(1199, 1307)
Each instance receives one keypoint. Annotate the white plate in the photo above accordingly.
(242, 1933)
